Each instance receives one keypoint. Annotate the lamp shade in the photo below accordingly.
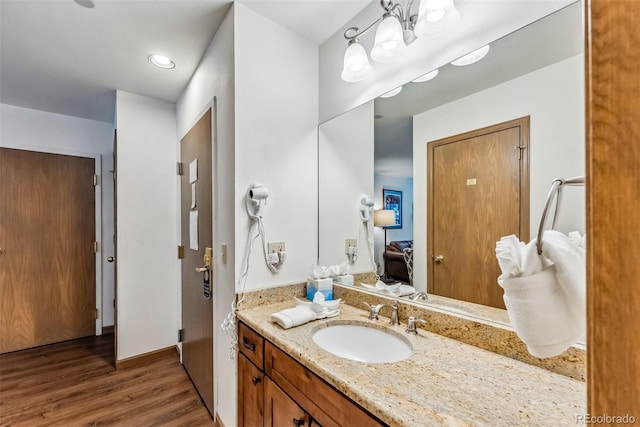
(389, 43)
(384, 217)
(435, 17)
(356, 63)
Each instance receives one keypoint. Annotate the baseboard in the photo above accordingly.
(143, 359)
(106, 330)
(218, 422)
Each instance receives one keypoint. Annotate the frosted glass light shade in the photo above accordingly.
(392, 92)
(356, 64)
(435, 17)
(389, 43)
(384, 217)
(426, 77)
(471, 58)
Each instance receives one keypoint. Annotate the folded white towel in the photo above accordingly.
(395, 289)
(291, 317)
(544, 294)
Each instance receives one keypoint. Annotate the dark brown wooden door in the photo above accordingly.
(48, 264)
(250, 393)
(279, 409)
(478, 194)
(197, 308)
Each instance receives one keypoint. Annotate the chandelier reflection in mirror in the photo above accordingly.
(398, 28)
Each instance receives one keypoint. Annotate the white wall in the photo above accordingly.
(214, 78)
(276, 111)
(345, 151)
(554, 98)
(337, 96)
(147, 241)
(43, 131)
(406, 232)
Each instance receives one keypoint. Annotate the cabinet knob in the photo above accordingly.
(255, 380)
(298, 422)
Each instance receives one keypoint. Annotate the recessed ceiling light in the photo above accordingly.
(392, 92)
(162, 61)
(425, 78)
(86, 3)
(471, 58)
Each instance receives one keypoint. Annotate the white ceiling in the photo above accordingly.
(60, 57)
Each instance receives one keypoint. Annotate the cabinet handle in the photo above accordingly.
(255, 380)
(298, 422)
(248, 345)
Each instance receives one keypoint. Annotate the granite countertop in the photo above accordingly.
(444, 382)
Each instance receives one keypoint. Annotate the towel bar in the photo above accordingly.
(554, 192)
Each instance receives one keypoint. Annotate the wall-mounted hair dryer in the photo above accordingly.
(366, 207)
(255, 199)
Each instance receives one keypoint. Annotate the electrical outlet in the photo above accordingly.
(349, 242)
(276, 247)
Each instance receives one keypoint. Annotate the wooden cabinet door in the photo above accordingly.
(280, 409)
(250, 393)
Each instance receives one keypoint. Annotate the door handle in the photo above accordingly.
(202, 269)
(1, 251)
(208, 255)
(111, 259)
(438, 258)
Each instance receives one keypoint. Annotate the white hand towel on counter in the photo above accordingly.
(541, 311)
(290, 317)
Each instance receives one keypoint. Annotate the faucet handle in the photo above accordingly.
(373, 310)
(411, 325)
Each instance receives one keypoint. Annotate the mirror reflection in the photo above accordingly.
(461, 160)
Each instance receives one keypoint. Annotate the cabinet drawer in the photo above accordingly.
(251, 344)
(319, 399)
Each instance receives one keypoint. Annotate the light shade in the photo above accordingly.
(384, 217)
(426, 77)
(356, 64)
(161, 61)
(392, 92)
(389, 43)
(435, 17)
(471, 58)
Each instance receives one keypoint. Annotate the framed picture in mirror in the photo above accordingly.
(392, 200)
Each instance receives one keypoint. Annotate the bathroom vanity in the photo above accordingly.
(284, 373)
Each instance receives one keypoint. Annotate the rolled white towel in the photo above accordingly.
(291, 317)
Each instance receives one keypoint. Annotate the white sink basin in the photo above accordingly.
(363, 343)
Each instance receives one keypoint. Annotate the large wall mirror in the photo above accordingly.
(530, 85)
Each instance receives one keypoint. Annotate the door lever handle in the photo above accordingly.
(202, 269)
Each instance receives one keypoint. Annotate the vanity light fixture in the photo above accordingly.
(162, 61)
(392, 92)
(471, 58)
(398, 28)
(426, 77)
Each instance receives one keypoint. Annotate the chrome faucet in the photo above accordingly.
(394, 312)
(411, 325)
(419, 296)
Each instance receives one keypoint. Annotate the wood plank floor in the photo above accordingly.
(74, 383)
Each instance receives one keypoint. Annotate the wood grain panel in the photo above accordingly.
(47, 230)
(280, 409)
(318, 398)
(251, 344)
(197, 311)
(250, 393)
(613, 203)
(74, 383)
(477, 194)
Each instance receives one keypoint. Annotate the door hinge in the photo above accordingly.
(520, 148)
(180, 252)
(96, 179)
(180, 335)
(179, 168)
(97, 314)
(95, 247)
